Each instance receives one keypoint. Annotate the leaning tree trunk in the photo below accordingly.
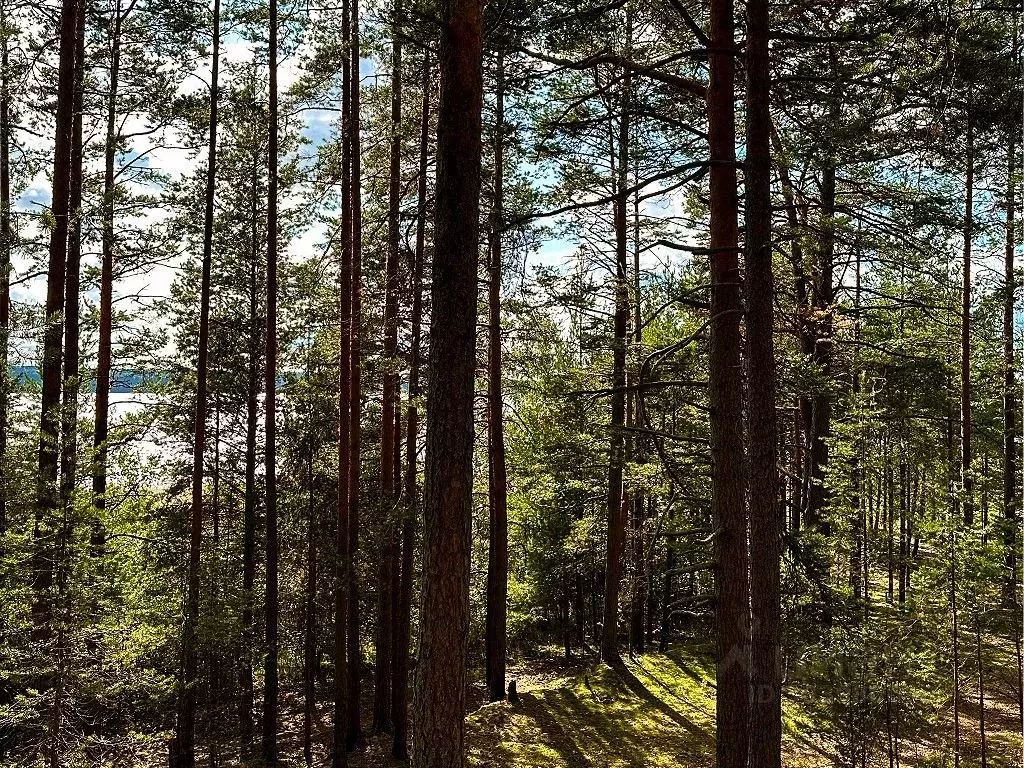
(765, 744)
(440, 691)
(184, 740)
(727, 481)
(270, 671)
(495, 638)
(400, 689)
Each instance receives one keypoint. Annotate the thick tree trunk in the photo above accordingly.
(765, 742)
(388, 548)
(355, 731)
(270, 672)
(185, 727)
(726, 389)
(497, 476)
(400, 689)
(47, 492)
(440, 691)
(617, 500)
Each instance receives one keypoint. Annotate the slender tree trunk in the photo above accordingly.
(389, 545)
(821, 416)
(270, 672)
(857, 552)
(101, 429)
(400, 690)
(668, 589)
(342, 563)
(47, 492)
(355, 731)
(726, 386)
(497, 550)
(246, 702)
(309, 633)
(6, 248)
(1009, 380)
(765, 742)
(966, 476)
(616, 495)
(440, 691)
(981, 692)
(186, 722)
(956, 649)
(72, 283)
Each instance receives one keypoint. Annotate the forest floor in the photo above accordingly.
(658, 710)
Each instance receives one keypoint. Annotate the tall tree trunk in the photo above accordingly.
(388, 544)
(616, 453)
(765, 743)
(821, 411)
(72, 283)
(1009, 381)
(956, 646)
(497, 476)
(186, 722)
(247, 684)
(355, 730)
(726, 387)
(440, 691)
(641, 593)
(400, 689)
(270, 401)
(101, 429)
(69, 415)
(981, 689)
(309, 631)
(6, 247)
(342, 563)
(966, 476)
(47, 496)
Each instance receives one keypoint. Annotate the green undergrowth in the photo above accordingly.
(652, 711)
(658, 710)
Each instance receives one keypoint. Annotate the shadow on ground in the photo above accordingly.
(646, 713)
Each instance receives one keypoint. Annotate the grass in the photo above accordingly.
(658, 710)
(655, 711)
